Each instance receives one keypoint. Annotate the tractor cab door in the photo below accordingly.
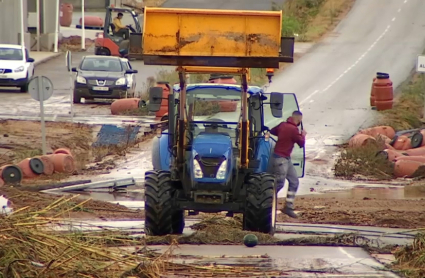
(290, 104)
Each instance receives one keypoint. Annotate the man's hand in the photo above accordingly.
(303, 132)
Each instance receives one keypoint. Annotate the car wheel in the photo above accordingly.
(77, 98)
(24, 89)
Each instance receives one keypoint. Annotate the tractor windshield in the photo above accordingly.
(214, 110)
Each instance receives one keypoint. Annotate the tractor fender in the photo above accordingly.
(264, 155)
(161, 156)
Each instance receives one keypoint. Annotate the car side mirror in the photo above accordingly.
(74, 69)
(131, 71)
(30, 60)
(276, 104)
(155, 99)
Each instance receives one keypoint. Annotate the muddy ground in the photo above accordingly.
(314, 210)
(22, 139)
(91, 209)
(362, 212)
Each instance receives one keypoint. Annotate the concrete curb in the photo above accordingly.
(41, 61)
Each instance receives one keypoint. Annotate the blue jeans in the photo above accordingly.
(283, 169)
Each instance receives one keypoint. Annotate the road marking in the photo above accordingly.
(345, 253)
(355, 63)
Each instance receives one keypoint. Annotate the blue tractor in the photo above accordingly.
(215, 160)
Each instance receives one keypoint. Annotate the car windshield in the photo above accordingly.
(92, 64)
(124, 65)
(208, 107)
(11, 54)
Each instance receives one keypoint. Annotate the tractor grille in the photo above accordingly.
(210, 165)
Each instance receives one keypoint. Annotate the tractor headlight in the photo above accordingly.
(221, 173)
(120, 81)
(197, 170)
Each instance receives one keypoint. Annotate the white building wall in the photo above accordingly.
(10, 26)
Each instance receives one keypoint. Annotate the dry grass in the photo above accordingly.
(410, 259)
(364, 161)
(408, 108)
(309, 20)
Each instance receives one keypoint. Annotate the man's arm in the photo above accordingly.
(118, 24)
(275, 131)
(298, 137)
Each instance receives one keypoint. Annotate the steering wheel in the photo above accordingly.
(215, 125)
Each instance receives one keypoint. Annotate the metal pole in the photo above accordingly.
(38, 25)
(22, 23)
(83, 28)
(56, 26)
(43, 125)
(72, 96)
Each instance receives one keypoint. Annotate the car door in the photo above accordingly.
(290, 104)
(29, 65)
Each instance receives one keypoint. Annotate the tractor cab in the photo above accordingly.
(113, 42)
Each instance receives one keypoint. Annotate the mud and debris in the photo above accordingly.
(363, 211)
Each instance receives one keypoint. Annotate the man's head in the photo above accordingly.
(297, 116)
(120, 15)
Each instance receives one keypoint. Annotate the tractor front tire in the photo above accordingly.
(261, 204)
(161, 218)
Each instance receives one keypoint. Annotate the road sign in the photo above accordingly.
(68, 60)
(420, 64)
(41, 89)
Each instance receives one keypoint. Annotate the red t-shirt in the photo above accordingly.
(287, 135)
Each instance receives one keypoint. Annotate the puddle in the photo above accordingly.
(383, 193)
(5, 205)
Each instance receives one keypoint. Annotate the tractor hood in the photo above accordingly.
(212, 145)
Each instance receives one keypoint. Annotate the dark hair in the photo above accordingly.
(120, 14)
(297, 113)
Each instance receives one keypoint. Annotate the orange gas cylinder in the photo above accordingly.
(391, 155)
(163, 109)
(406, 168)
(416, 152)
(360, 140)
(402, 143)
(383, 91)
(125, 104)
(63, 163)
(65, 14)
(383, 130)
(412, 158)
(94, 21)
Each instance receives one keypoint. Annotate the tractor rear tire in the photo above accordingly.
(261, 204)
(160, 216)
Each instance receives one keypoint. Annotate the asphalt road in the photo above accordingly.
(333, 80)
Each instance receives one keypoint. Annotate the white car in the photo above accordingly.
(16, 67)
(131, 78)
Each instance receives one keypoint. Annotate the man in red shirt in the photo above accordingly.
(288, 135)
